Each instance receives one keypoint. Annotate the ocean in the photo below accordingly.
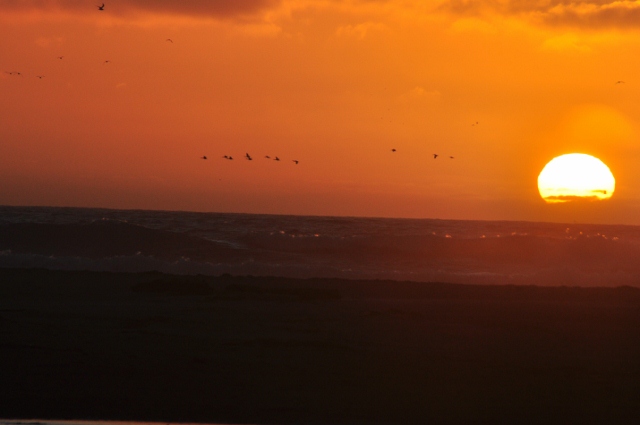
(424, 250)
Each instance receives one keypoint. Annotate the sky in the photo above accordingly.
(145, 88)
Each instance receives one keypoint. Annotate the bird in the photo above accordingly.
(227, 157)
(107, 61)
(450, 157)
(435, 155)
(393, 150)
(619, 82)
(474, 124)
(267, 156)
(169, 40)
(101, 7)
(276, 159)
(295, 160)
(203, 157)
(40, 76)
(248, 156)
(60, 57)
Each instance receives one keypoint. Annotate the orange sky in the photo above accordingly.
(333, 84)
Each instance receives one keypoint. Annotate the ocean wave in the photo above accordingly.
(107, 238)
(303, 247)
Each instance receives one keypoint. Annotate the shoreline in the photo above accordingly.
(242, 349)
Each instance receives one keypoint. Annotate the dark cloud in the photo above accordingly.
(572, 198)
(624, 14)
(220, 8)
(204, 8)
(594, 14)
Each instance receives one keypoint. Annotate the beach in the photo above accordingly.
(242, 349)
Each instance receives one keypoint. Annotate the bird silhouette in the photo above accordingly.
(169, 40)
(435, 155)
(450, 157)
(619, 82)
(107, 61)
(295, 160)
(60, 57)
(267, 156)
(393, 150)
(101, 7)
(248, 157)
(204, 157)
(276, 159)
(40, 76)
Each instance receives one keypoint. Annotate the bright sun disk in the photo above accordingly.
(575, 176)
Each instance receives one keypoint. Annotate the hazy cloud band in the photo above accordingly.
(595, 14)
(204, 8)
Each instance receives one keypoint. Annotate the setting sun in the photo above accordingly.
(575, 176)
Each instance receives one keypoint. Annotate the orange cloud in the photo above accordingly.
(203, 8)
(589, 14)
(618, 14)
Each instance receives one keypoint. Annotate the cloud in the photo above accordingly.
(200, 8)
(566, 42)
(574, 198)
(473, 24)
(420, 94)
(586, 14)
(359, 31)
(619, 14)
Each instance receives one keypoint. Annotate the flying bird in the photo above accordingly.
(619, 82)
(227, 157)
(248, 157)
(101, 7)
(60, 57)
(450, 157)
(276, 159)
(203, 157)
(40, 76)
(107, 61)
(393, 150)
(169, 40)
(267, 156)
(435, 155)
(295, 160)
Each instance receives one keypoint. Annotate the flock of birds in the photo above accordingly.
(295, 161)
(250, 158)
(228, 157)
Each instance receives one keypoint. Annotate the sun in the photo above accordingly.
(575, 177)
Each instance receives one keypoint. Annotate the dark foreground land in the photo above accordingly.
(83, 345)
